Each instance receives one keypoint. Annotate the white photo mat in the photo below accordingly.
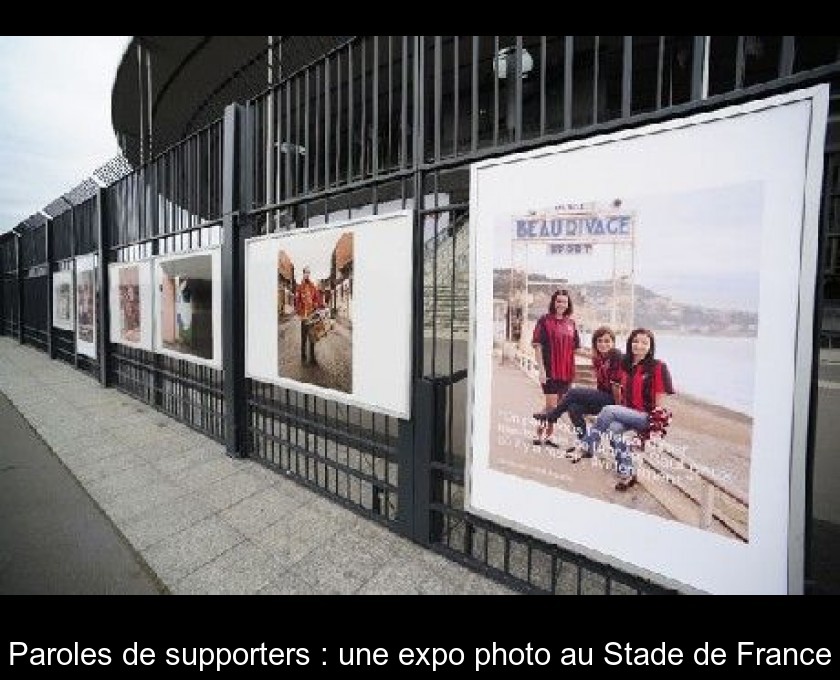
(192, 261)
(62, 285)
(778, 142)
(381, 299)
(144, 270)
(86, 279)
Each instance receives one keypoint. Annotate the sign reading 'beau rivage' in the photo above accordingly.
(575, 223)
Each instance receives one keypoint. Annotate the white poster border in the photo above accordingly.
(84, 263)
(779, 540)
(147, 303)
(403, 408)
(216, 263)
(58, 276)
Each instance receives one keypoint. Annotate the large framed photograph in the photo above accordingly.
(329, 313)
(188, 306)
(63, 307)
(641, 351)
(130, 301)
(86, 286)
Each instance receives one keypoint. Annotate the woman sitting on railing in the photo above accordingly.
(584, 401)
(645, 382)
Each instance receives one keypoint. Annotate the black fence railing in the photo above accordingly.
(375, 125)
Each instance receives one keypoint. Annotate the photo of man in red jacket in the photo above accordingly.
(308, 298)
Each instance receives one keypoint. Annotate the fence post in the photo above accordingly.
(3, 251)
(19, 273)
(103, 250)
(428, 420)
(417, 437)
(48, 238)
(233, 298)
(73, 285)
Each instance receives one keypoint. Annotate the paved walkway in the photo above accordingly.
(202, 522)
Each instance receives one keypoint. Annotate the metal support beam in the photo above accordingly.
(73, 288)
(421, 485)
(700, 68)
(102, 297)
(19, 273)
(48, 239)
(2, 288)
(233, 286)
(413, 476)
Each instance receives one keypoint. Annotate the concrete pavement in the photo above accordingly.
(202, 522)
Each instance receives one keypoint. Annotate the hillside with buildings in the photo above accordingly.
(593, 300)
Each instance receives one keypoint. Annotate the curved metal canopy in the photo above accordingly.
(191, 78)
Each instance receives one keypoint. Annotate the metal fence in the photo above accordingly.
(379, 124)
(171, 205)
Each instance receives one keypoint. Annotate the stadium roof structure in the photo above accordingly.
(183, 83)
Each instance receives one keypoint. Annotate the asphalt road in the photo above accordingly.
(54, 540)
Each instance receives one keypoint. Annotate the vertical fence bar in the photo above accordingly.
(438, 89)
(327, 128)
(497, 62)
(596, 65)
(102, 300)
(627, 77)
(19, 273)
(568, 57)
(474, 91)
(699, 84)
(374, 113)
(3, 242)
(73, 283)
(414, 473)
(543, 69)
(788, 52)
(517, 91)
(48, 242)
(740, 62)
(455, 94)
(660, 70)
(233, 326)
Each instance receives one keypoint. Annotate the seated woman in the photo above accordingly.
(645, 382)
(583, 401)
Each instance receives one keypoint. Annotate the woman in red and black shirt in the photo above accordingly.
(582, 401)
(555, 341)
(645, 382)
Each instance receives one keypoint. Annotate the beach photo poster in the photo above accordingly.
(130, 301)
(86, 285)
(635, 300)
(63, 307)
(329, 314)
(188, 306)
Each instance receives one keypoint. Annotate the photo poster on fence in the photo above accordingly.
(689, 247)
(63, 305)
(130, 303)
(188, 306)
(328, 311)
(86, 287)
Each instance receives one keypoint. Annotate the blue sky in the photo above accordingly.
(55, 117)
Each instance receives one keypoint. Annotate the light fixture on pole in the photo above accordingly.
(506, 58)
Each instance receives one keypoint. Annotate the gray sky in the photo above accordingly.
(55, 117)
